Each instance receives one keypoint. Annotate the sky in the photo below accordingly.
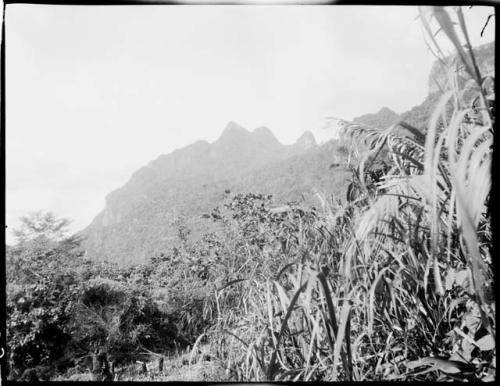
(94, 93)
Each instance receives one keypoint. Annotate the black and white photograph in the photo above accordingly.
(261, 191)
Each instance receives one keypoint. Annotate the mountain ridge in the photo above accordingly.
(235, 144)
(419, 115)
(136, 222)
(190, 181)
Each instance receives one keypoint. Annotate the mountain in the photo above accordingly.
(382, 119)
(306, 141)
(419, 115)
(485, 59)
(137, 220)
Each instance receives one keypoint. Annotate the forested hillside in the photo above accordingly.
(239, 271)
(139, 218)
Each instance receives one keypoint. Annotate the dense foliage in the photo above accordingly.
(390, 279)
(137, 222)
(62, 307)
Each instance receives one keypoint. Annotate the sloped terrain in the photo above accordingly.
(137, 222)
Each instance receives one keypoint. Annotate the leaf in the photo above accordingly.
(486, 343)
(463, 279)
(447, 25)
(271, 368)
(472, 319)
(284, 300)
(450, 279)
(344, 318)
(444, 365)
(229, 283)
(416, 132)
(194, 349)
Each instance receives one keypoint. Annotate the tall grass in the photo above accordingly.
(397, 282)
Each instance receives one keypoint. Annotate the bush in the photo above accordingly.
(59, 310)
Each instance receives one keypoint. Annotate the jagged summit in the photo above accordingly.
(386, 110)
(263, 134)
(136, 221)
(306, 141)
(263, 131)
(382, 119)
(233, 134)
(233, 128)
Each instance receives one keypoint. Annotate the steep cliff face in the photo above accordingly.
(419, 115)
(485, 58)
(137, 220)
(236, 152)
(305, 142)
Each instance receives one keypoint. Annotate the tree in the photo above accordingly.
(40, 226)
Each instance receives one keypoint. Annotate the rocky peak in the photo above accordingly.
(263, 131)
(382, 119)
(485, 59)
(233, 129)
(234, 136)
(264, 135)
(306, 141)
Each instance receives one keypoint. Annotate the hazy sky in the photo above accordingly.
(94, 93)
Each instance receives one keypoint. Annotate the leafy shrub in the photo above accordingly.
(37, 317)
(61, 307)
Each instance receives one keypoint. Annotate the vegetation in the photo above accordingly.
(62, 307)
(394, 282)
(192, 180)
(383, 119)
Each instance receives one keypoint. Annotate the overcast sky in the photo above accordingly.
(94, 93)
